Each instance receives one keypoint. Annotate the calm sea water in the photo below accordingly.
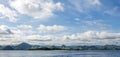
(58, 53)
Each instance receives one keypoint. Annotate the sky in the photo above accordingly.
(57, 22)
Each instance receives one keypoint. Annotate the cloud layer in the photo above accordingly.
(9, 35)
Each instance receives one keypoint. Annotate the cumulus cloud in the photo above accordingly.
(53, 28)
(38, 9)
(26, 29)
(5, 30)
(85, 5)
(7, 12)
(100, 35)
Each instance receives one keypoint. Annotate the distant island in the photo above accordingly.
(26, 46)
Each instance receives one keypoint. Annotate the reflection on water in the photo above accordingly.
(58, 53)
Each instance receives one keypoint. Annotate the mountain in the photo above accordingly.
(0, 47)
(7, 48)
(23, 46)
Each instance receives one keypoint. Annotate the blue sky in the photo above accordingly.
(71, 22)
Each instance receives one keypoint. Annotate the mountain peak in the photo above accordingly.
(24, 46)
(23, 43)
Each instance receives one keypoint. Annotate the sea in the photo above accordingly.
(59, 53)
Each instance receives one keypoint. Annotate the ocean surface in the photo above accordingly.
(60, 53)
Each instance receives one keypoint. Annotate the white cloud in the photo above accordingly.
(38, 9)
(54, 28)
(39, 37)
(113, 12)
(4, 30)
(26, 29)
(101, 35)
(7, 12)
(99, 24)
(25, 26)
(77, 19)
(85, 5)
(93, 37)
